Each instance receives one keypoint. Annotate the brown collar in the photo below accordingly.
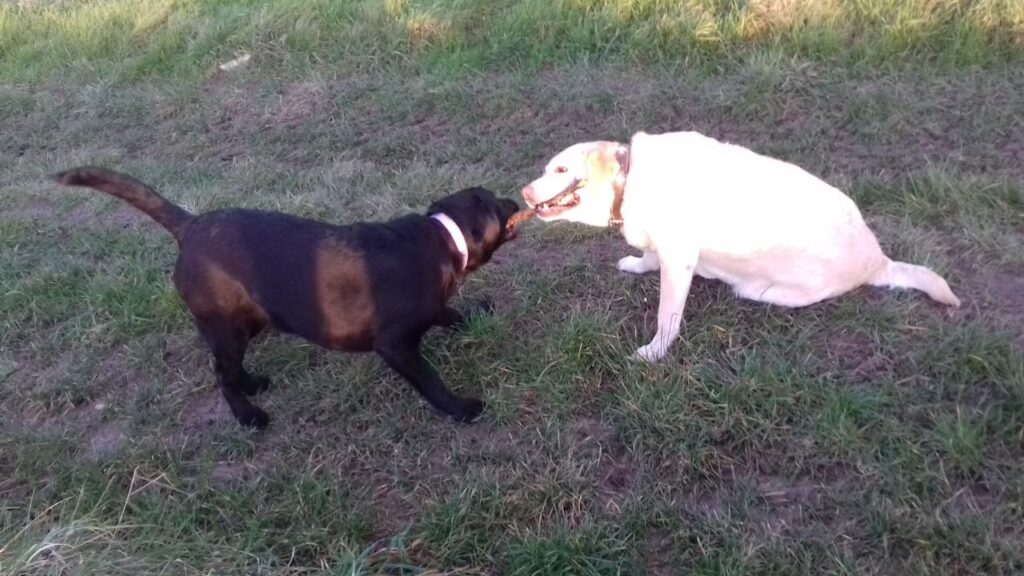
(619, 187)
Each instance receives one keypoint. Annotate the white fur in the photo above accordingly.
(771, 230)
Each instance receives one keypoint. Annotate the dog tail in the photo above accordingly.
(169, 215)
(902, 275)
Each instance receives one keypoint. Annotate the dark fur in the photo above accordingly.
(359, 288)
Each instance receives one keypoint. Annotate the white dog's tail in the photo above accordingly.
(903, 275)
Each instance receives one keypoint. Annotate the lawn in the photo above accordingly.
(877, 433)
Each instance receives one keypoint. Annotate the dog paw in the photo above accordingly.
(254, 417)
(471, 410)
(484, 306)
(650, 353)
(632, 264)
(457, 321)
(255, 384)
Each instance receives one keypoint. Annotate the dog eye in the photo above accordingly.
(561, 170)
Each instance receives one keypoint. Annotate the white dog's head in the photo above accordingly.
(578, 184)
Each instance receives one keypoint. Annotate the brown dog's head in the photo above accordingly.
(483, 219)
(577, 183)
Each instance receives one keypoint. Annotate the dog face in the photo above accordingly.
(483, 219)
(577, 184)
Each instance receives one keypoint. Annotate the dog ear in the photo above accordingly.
(600, 160)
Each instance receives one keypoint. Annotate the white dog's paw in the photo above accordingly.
(650, 353)
(633, 265)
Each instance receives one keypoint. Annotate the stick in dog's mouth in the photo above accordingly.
(520, 217)
(565, 199)
(513, 222)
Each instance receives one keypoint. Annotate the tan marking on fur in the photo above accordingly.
(217, 293)
(346, 305)
(602, 165)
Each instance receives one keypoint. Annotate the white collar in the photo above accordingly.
(456, 234)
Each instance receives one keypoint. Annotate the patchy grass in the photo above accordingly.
(875, 433)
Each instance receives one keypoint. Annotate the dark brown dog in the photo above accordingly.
(364, 287)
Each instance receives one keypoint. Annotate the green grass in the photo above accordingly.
(872, 434)
(184, 38)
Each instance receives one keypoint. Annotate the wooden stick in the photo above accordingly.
(520, 217)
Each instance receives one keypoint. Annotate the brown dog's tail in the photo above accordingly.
(903, 275)
(171, 216)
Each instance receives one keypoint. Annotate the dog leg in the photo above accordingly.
(640, 265)
(450, 318)
(253, 385)
(403, 355)
(455, 320)
(676, 275)
(228, 344)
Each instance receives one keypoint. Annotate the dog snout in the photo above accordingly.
(530, 195)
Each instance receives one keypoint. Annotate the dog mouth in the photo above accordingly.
(564, 200)
(515, 220)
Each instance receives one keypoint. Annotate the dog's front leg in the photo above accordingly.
(676, 273)
(451, 318)
(403, 355)
(640, 265)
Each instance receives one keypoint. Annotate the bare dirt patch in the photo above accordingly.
(784, 503)
(1005, 292)
(995, 292)
(298, 103)
(83, 410)
(658, 551)
(203, 411)
(437, 462)
(485, 438)
(616, 474)
(226, 473)
(393, 509)
(100, 439)
(709, 503)
(105, 441)
(858, 357)
(971, 499)
(780, 506)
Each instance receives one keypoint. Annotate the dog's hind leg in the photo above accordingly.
(402, 353)
(228, 342)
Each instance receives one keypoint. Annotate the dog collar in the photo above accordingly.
(619, 187)
(456, 233)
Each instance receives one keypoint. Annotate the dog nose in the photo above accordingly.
(529, 195)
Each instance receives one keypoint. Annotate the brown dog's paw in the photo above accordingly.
(255, 384)
(254, 417)
(484, 306)
(471, 410)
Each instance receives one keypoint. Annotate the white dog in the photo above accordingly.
(771, 230)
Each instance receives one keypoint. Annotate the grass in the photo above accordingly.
(142, 39)
(872, 434)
